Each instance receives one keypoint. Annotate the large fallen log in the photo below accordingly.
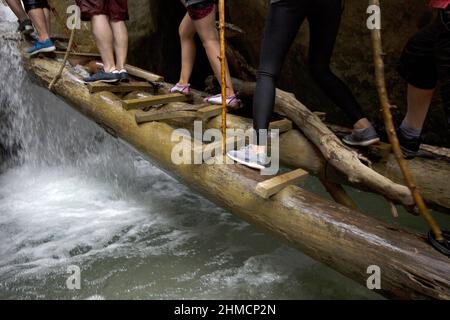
(344, 239)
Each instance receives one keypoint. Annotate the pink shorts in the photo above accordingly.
(201, 10)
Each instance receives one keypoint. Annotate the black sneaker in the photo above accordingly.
(410, 147)
(362, 138)
(124, 77)
(25, 27)
(248, 157)
(102, 76)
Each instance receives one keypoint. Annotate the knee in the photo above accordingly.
(185, 34)
(210, 43)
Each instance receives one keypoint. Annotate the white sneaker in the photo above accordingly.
(232, 101)
(181, 88)
(248, 157)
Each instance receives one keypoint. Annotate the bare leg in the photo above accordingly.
(16, 7)
(419, 102)
(40, 23)
(363, 123)
(188, 49)
(104, 40)
(120, 34)
(206, 29)
(47, 20)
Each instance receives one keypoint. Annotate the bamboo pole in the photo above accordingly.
(223, 72)
(390, 128)
(69, 48)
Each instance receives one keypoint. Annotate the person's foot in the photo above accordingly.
(248, 156)
(232, 101)
(34, 37)
(124, 77)
(362, 137)
(41, 46)
(181, 88)
(410, 146)
(25, 27)
(102, 76)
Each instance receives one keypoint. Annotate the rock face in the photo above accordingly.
(154, 44)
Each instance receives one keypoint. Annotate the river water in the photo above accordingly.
(74, 196)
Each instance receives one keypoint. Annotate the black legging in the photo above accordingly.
(284, 21)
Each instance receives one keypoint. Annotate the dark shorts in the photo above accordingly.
(201, 10)
(425, 61)
(116, 10)
(35, 4)
(427, 53)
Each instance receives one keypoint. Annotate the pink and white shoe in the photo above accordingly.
(181, 88)
(232, 101)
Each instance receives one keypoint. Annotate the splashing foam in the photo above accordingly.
(67, 189)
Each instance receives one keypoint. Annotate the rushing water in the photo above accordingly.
(72, 195)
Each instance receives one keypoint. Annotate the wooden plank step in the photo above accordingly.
(268, 188)
(283, 125)
(208, 112)
(143, 117)
(119, 88)
(154, 100)
(78, 54)
(143, 74)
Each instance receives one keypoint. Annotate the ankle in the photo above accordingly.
(109, 69)
(410, 132)
(44, 38)
(230, 92)
(183, 82)
(362, 124)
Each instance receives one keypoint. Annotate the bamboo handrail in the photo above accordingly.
(223, 72)
(390, 129)
(66, 57)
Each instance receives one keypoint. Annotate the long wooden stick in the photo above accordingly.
(223, 72)
(69, 48)
(389, 123)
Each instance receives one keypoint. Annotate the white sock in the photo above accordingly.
(408, 132)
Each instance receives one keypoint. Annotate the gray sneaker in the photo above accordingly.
(248, 157)
(362, 137)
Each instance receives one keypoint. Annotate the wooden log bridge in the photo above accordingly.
(344, 239)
